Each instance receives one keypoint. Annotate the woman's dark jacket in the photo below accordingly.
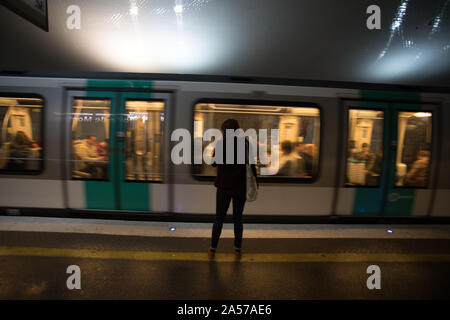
(231, 177)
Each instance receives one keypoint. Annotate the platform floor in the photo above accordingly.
(145, 260)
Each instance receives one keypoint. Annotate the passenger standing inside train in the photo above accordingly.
(231, 185)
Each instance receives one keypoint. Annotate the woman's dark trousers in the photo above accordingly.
(223, 199)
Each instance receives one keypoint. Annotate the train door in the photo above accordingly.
(116, 151)
(386, 159)
(363, 173)
(140, 143)
(408, 189)
(90, 162)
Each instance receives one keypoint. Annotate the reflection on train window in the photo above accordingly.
(90, 132)
(144, 131)
(298, 141)
(365, 147)
(413, 149)
(20, 140)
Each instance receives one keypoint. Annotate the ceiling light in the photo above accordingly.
(134, 10)
(178, 9)
(422, 114)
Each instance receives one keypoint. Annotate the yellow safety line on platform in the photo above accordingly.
(223, 257)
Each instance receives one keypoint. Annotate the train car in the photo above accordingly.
(87, 145)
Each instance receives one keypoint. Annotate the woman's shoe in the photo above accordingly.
(211, 253)
(238, 254)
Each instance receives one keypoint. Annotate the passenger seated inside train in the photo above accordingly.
(290, 163)
(306, 152)
(418, 175)
(373, 174)
(102, 150)
(90, 163)
(19, 152)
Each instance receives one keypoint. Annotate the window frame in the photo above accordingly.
(42, 166)
(163, 142)
(347, 145)
(283, 103)
(427, 185)
(108, 179)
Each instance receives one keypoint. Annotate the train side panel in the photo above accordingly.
(44, 189)
(311, 198)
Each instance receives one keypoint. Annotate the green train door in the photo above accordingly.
(90, 161)
(363, 172)
(407, 189)
(140, 144)
(387, 159)
(116, 150)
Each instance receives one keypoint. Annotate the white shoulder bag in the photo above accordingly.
(252, 186)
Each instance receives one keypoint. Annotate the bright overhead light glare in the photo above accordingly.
(157, 50)
(134, 10)
(422, 114)
(178, 9)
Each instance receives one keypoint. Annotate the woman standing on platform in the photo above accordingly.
(231, 185)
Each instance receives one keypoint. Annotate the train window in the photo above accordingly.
(144, 131)
(298, 135)
(413, 149)
(21, 134)
(90, 132)
(365, 147)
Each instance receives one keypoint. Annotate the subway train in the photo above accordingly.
(104, 144)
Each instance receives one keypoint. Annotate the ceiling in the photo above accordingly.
(294, 39)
